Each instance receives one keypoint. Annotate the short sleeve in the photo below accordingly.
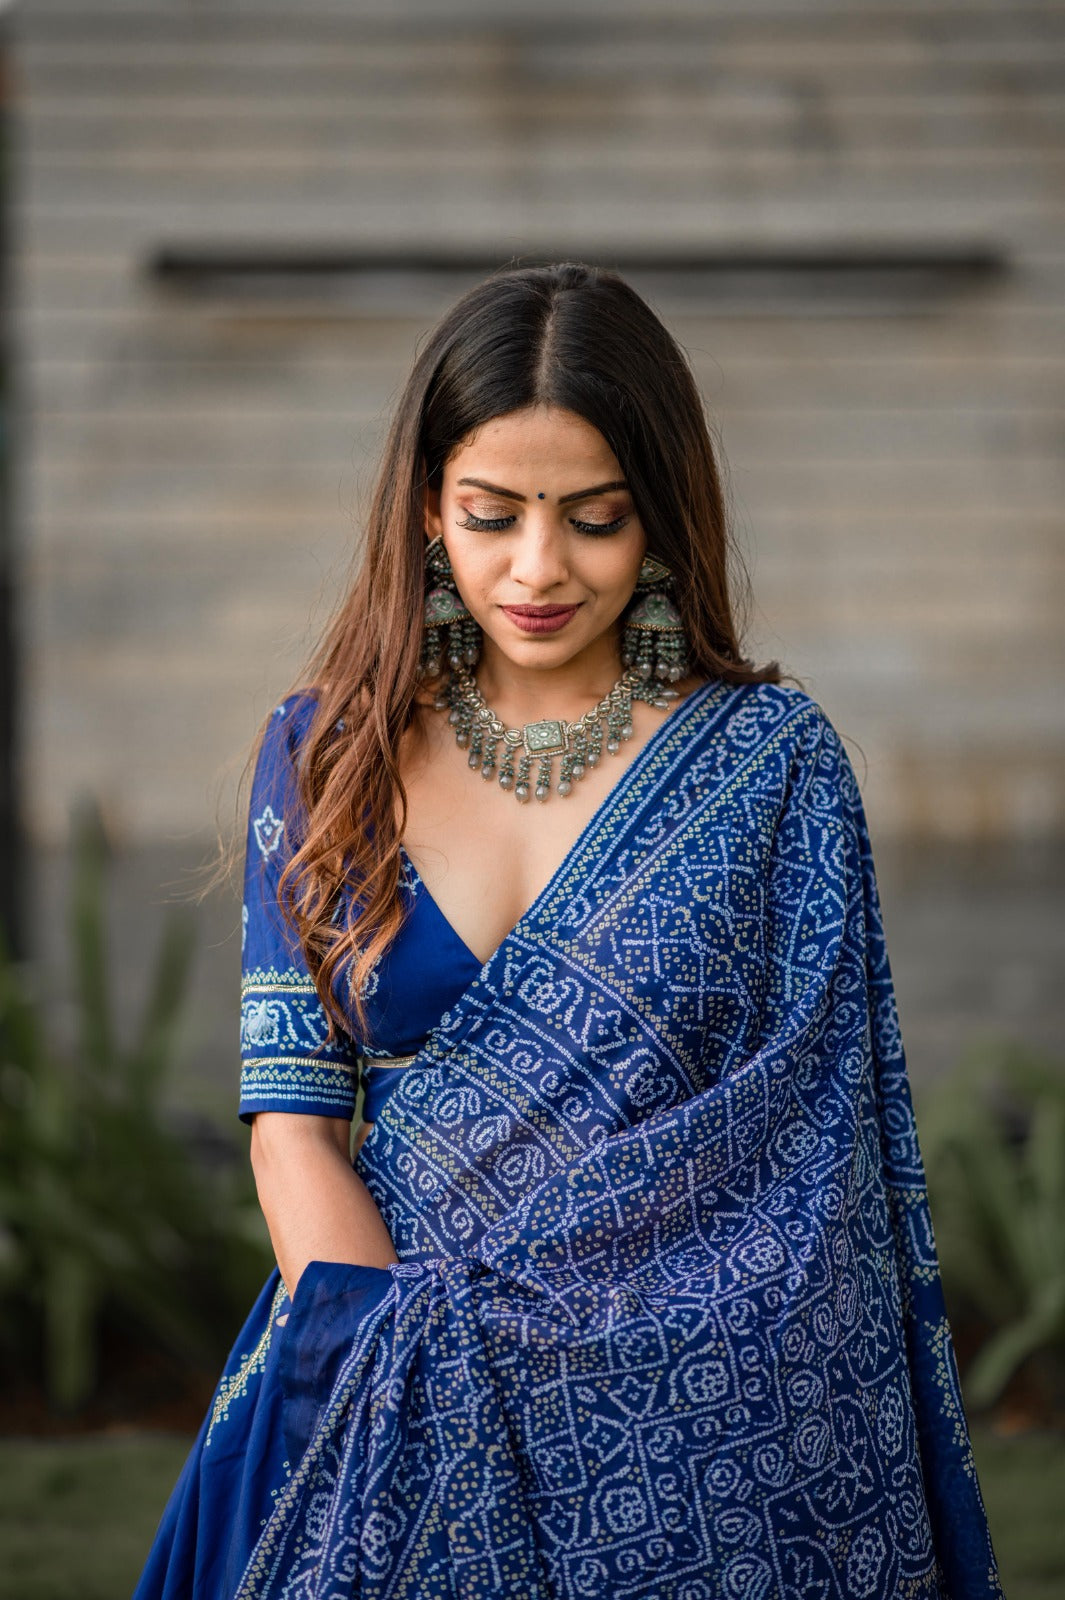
(286, 1063)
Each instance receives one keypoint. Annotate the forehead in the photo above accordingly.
(542, 443)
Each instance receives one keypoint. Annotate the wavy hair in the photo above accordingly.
(566, 335)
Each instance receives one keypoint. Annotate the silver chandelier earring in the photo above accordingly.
(451, 637)
(653, 639)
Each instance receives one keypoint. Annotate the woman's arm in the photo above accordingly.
(316, 1207)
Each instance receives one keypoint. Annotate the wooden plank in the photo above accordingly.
(821, 36)
(505, 221)
(693, 123)
(807, 89)
(231, 437)
(285, 168)
(1027, 332)
(60, 14)
(907, 113)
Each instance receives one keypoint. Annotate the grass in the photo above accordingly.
(77, 1516)
(1023, 1480)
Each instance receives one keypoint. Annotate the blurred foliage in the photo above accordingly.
(105, 1210)
(993, 1139)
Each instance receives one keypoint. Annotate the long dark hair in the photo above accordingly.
(570, 336)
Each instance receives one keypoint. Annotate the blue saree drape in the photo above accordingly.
(667, 1320)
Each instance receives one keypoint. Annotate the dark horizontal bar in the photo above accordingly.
(201, 264)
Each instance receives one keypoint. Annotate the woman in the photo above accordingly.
(630, 1290)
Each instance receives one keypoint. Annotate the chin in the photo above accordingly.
(547, 650)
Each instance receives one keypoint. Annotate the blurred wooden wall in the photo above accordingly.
(194, 462)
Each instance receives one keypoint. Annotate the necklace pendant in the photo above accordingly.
(580, 744)
(546, 738)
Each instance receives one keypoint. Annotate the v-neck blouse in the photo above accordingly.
(424, 971)
(286, 1063)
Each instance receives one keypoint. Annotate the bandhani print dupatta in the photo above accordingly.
(667, 1321)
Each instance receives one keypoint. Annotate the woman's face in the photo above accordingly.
(543, 538)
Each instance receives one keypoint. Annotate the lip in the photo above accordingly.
(541, 619)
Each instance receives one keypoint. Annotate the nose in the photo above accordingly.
(539, 561)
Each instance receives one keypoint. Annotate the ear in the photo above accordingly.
(434, 524)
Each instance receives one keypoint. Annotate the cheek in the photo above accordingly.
(619, 567)
(475, 569)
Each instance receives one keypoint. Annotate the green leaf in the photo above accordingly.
(994, 1143)
(152, 1051)
(71, 1293)
(999, 1358)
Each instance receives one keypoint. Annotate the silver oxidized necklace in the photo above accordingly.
(508, 754)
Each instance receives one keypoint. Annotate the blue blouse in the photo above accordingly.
(286, 1064)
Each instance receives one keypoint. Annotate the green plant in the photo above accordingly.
(104, 1209)
(993, 1138)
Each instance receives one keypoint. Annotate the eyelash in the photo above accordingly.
(499, 524)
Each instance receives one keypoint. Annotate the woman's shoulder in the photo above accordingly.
(781, 723)
(772, 705)
(296, 710)
(288, 723)
(282, 738)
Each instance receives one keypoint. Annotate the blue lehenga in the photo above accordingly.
(667, 1319)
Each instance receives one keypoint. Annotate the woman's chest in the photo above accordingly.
(485, 857)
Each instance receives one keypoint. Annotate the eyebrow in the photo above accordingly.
(512, 494)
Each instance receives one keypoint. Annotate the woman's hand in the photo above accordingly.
(316, 1207)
